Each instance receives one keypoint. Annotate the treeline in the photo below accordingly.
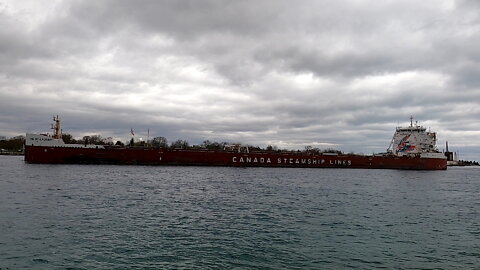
(468, 163)
(14, 144)
(162, 142)
(90, 139)
(212, 145)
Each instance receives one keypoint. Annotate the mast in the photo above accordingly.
(57, 132)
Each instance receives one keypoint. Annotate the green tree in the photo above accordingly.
(13, 144)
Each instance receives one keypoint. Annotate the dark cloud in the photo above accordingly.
(322, 73)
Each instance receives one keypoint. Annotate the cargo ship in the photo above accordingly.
(411, 148)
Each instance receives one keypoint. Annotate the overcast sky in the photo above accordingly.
(329, 74)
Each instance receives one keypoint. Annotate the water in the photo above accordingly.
(139, 217)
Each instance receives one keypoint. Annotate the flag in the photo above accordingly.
(131, 131)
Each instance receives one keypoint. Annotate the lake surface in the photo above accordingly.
(142, 217)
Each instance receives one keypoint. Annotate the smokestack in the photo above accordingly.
(446, 143)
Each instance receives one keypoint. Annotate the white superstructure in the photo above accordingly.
(48, 140)
(415, 140)
(54, 140)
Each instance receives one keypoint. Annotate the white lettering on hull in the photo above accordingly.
(293, 161)
(250, 160)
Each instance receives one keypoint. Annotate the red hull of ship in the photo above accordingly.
(160, 156)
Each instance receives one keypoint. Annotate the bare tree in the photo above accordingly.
(160, 142)
(180, 144)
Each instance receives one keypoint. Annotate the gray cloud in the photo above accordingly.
(322, 73)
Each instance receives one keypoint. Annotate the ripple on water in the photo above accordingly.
(85, 217)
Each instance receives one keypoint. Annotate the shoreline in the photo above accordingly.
(12, 154)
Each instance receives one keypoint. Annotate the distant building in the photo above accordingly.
(450, 155)
(3, 138)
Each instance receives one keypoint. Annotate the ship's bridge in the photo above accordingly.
(411, 128)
